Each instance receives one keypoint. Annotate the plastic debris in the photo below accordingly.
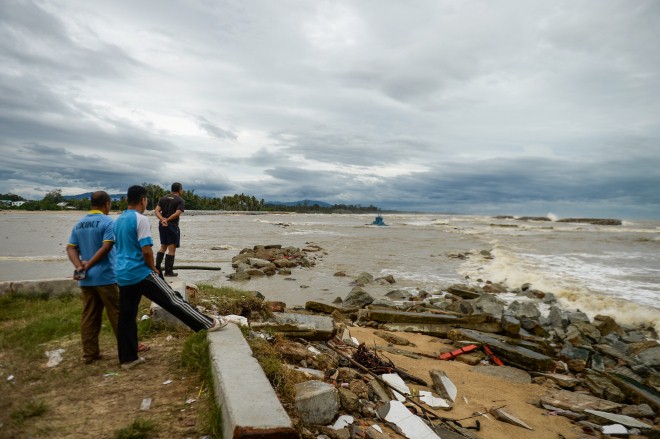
(167, 382)
(313, 350)
(455, 353)
(146, 404)
(169, 338)
(144, 317)
(111, 374)
(377, 428)
(54, 357)
(10, 377)
(191, 400)
(342, 421)
(239, 320)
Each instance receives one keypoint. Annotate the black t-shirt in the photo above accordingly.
(170, 204)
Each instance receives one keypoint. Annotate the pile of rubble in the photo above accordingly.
(267, 260)
(602, 375)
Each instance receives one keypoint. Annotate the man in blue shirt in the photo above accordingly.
(91, 252)
(137, 276)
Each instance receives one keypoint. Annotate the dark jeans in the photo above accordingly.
(157, 290)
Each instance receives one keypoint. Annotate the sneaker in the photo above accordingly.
(133, 363)
(218, 324)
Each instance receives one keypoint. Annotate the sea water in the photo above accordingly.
(611, 270)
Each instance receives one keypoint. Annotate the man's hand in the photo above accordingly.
(163, 222)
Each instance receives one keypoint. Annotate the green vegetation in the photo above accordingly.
(139, 429)
(32, 409)
(236, 202)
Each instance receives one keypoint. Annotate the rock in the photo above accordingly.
(259, 263)
(460, 306)
(607, 325)
(565, 381)
(325, 308)
(510, 324)
(556, 318)
(293, 351)
(285, 263)
(316, 402)
(340, 274)
(636, 391)
(578, 402)
(389, 279)
(588, 330)
(601, 387)
(473, 358)
(463, 292)
(638, 411)
(650, 357)
(357, 298)
(348, 400)
(378, 392)
(515, 355)
(576, 358)
(360, 388)
(578, 316)
(255, 272)
(394, 339)
(524, 309)
(238, 276)
(398, 295)
(363, 279)
(489, 304)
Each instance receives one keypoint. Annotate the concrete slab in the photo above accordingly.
(162, 316)
(250, 408)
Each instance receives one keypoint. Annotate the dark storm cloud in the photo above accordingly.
(448, 106)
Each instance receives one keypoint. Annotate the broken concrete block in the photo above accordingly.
(507, 417)
(462, 292)
(636, 391)
(441, 330)
(443, 385)
(565, 381)
(398, 386)
(518, 356)
(393, 338)
(379, 391)
(508, 373)
(614, 430)
(434, 402)
(292, 325)
(317, 402)
(578, 402)
(602, 418)
(408, 424)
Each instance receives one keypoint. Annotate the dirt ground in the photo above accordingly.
(93, 401)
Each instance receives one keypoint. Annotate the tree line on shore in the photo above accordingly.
(54, 200)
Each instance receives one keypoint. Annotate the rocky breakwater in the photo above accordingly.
(267, 260)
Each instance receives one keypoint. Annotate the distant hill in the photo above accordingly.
(298, 203)
(113, 197)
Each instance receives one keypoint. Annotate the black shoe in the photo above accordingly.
(171, 274)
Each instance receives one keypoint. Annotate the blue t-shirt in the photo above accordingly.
(88, 235)
(132, 232)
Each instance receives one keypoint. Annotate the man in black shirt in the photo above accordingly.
(168, 211)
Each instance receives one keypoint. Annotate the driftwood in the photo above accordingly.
(195, 267)
(373, 362)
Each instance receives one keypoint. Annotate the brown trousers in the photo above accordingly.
(94, 299)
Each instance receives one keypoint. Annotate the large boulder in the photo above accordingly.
(357, 298)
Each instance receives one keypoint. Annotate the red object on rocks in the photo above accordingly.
(453, 354)
(492, 356)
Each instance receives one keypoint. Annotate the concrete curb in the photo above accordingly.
(42, 287)
(250, 408)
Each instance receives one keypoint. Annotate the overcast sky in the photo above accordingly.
(486, 107)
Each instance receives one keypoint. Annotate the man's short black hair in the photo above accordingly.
(99, 198)
(176, 187)
(135, 194)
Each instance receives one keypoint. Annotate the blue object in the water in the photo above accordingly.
(379, 221)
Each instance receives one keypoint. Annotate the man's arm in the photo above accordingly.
(174, 216)
(74, 256)
(100, 254)
(148, 255)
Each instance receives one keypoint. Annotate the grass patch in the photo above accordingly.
(195, 358)
(139, 429)
(32, 409)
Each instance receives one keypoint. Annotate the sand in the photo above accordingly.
(478, 392)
